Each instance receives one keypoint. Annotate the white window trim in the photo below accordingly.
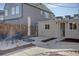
(47, 26)
(13, 11)
(6, 12)
(17, 9)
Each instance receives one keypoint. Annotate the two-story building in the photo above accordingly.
(27, 14)
(1, 15)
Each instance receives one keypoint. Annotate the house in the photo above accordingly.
(26, 14)
(1, 15)
(67, 27)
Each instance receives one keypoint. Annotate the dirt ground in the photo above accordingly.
(2, 52)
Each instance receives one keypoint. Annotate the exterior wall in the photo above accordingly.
(72, 33)
(8, 7)
(12, 19)
(52, 32)
(55, 30)
(32, 12)
(25, 12)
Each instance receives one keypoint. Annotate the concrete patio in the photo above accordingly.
(41, 47)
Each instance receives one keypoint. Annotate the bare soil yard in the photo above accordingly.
(2, 52)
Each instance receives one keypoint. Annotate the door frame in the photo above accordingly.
(62, 29)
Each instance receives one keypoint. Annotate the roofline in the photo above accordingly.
(39, 8)
(34, 6)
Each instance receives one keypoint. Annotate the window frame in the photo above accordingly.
(17, 9)
(6, 12)
(47, 26)
(73, 26)
(13, 11)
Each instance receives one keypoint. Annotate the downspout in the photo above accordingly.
(29, 26)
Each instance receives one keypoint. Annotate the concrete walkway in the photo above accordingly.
(42, 47)
(55, 44)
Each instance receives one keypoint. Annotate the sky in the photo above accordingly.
(1, 6)
(60, 9)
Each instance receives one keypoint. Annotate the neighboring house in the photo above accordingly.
(67, 27)
(1, 15)
(27, 14)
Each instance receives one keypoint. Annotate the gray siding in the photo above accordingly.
(33, 12)
(8, 7)
(25, 11)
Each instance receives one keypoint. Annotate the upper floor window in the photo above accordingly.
(13, 11)
(6, 12)
(17, 9)
(1, 17)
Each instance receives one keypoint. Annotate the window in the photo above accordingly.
(13, 11)
(73, 26)
(6, 12)
(1, 17)
(47, 26)
(17, 10)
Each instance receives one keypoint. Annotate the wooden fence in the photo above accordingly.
(6, 28)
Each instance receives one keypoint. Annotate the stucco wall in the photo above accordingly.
(72, 33)
(52, 32)
(55, 30)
